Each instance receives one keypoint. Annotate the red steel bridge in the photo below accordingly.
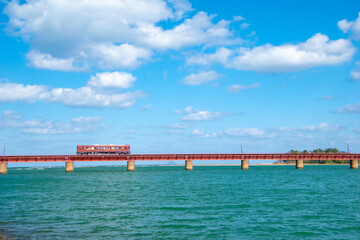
(183, 157)
(188, 158)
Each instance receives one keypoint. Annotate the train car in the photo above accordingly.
(103, 149)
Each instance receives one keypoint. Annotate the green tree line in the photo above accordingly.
(318, 150)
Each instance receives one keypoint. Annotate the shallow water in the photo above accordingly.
(276, 202)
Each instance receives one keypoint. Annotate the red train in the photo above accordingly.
(103, 149)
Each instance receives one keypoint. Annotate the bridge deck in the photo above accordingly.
(184, 157)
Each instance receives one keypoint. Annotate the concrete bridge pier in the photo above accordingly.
(130, 165)
(69, 166)
(3, 168)
(354, 164)
(188, 165)
(299, 164)
(244, 164)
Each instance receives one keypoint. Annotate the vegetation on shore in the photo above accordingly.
(318, 150)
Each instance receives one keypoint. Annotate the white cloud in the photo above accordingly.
(316, 51)
(245, 26)
(201, 78)
(322, 127)
(112, 79)
(253, 33)
(89, 97)
(81, 97)
(237, 87)
(197, 30)
(146, 107)
(221, 56)
(181, 7)
(65, 22)
(109, 34)
(238, 18)
(201, 116)
(355, 74)
(12, 115)
(242, 132)
(46, 61)
(233, 132)
(352, 27)
(110, 56)
(87, 119)
(193, 114)
(19, 92)
(350, 109)
(190, 109)
(201, 134)
(42, 127)
(305, 133)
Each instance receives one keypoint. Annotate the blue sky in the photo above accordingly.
(179, 76)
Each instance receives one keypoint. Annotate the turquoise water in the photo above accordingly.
(265, 202)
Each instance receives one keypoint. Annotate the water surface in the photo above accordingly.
(276, 202)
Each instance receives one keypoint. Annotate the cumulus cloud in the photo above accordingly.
(198, 30)
(201, 116)
(202, 134)
(201, 78)
(238, 18)
(8, 114)
(193, 114)
(64, 23)
(46, 61)
(237, 87)
(42, 127)
(350, 109)
(88, 96)
(20, 92)
(322, 130)
(316, 51)
(64, 35)
(220, 56)
(112, 79)
(355, 74)
(352, 27)
(322, 127)
(110, 56)
(181, 7)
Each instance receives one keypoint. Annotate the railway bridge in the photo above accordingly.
(188, 158)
